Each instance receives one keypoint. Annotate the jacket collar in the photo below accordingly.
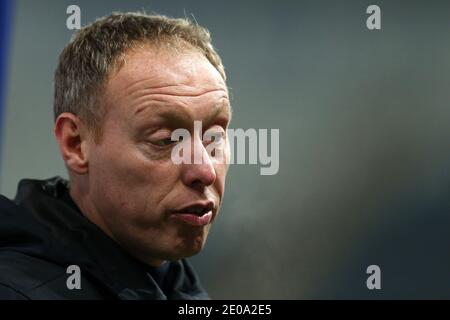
(78, 241)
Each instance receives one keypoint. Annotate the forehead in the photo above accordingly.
(188, 72)
(164, 82)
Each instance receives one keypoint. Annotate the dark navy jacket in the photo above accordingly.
(42, 233)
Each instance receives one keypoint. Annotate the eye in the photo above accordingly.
(216, 137)
(166, 142)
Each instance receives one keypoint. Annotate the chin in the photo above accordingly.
(176, 247)
(149, 256)
(187, 248)
(191, 249)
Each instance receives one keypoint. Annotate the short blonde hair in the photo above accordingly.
(93, 53)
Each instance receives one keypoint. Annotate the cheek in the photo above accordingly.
(221, 173)
(128, 180)
(223, 168)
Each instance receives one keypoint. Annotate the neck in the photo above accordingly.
(88, 209)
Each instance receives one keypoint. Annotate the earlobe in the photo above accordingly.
(71, 136)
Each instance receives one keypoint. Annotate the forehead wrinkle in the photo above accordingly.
(164, 107)
(173, 93)
(168, 88)
(160, 106)
(142, 82)
(147, 94)
(174, 78)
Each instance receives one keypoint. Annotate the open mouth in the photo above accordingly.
(198, 210)
(199, 214)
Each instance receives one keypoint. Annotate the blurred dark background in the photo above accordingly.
(364, 124)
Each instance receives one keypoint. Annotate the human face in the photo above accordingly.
(137, 190)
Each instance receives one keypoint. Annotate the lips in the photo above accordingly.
(196, 214)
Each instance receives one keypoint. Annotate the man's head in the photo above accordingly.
(122, 86)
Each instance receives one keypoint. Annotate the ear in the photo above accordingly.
(71, 134)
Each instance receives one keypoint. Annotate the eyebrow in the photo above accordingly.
(223, 106)
(180, 115)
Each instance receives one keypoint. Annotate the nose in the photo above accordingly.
(202, 174)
